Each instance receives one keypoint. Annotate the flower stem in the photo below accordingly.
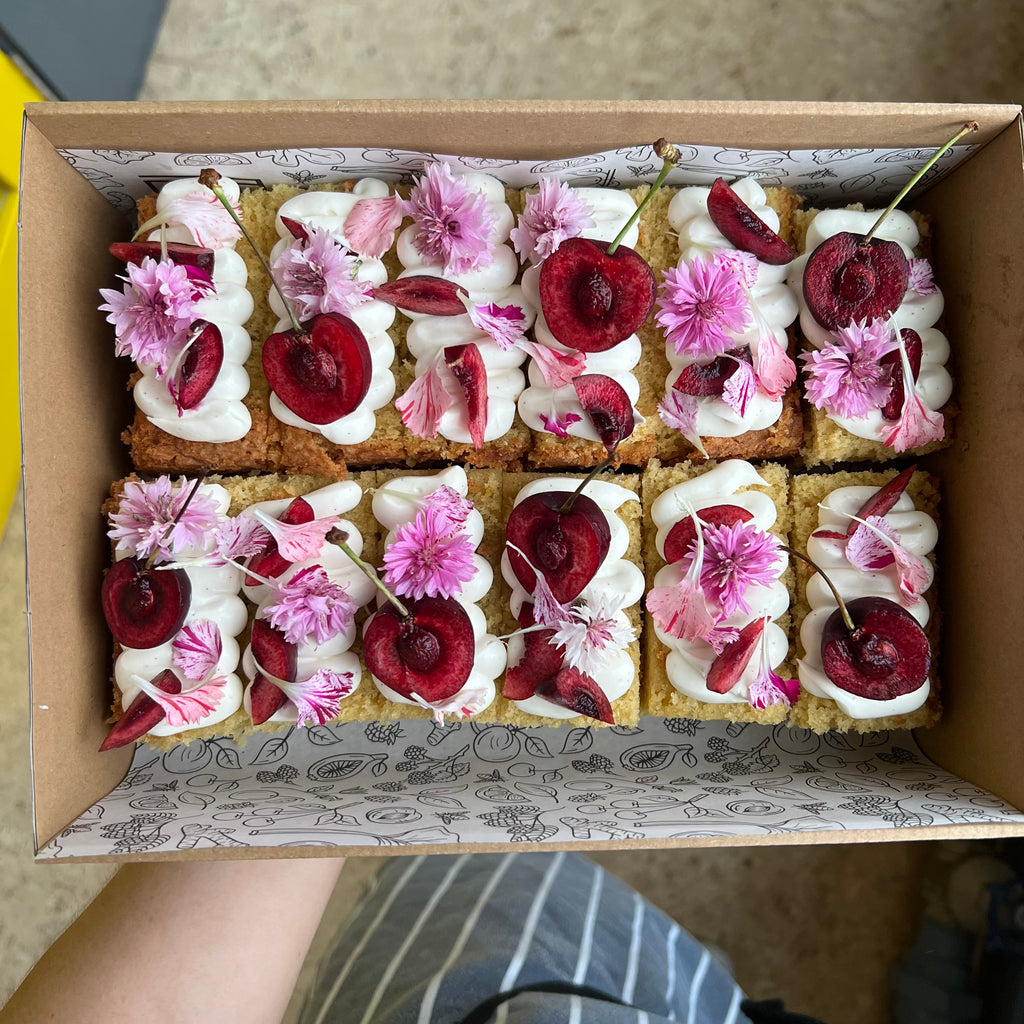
(831, 586)
(971, 126)
(670, 155)
(338, 537)
(174, 522)
(210, 178)
(600, 467)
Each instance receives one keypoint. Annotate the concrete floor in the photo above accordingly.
(820, 926)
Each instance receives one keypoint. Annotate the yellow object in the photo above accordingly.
(15, 91)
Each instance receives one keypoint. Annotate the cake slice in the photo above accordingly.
(737, 504)
(594, 606)
(826, 502)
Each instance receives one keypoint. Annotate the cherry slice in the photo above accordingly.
(684, 533)
(606, 403)
(729, 665)
(541, 660)
(467, 366)
(183, 253)
(707, 380)
(887, 654)
(430, 654)
(845, 280)
(297, 228)
(144, 608)
(142, 714)
(323, 376)
(199, 369)
(270, 562)
(567, 547)
(421, 293)
(592, 301)
(744, 229)
(275, 654)
(894, 366)
(884, 499)
(578, 692)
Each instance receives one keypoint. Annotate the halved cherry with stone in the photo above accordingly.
(893, 365)
(322, 375)
(568, 547)
(847, 279)
(885, 655)
(592, 300)
(269, 562)
(728, 666)
(681, 537)
(277, 656)
(182, 253)
(467, 366)
(423, 293)
(142, 714)
(197, 372)
(430, 653)
(541, 659)
(575, 690)
(143, 607)
(743, 228)
(605, 401)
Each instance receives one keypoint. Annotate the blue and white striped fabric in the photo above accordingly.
(437, 937)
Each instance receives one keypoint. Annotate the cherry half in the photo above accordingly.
(684, 533)
(144, 607)
(744, 229)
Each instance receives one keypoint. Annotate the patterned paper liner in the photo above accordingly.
(871, 176)
(413, 783)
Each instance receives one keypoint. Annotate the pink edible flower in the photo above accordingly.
(310, 605)
(547, 609)
(204, 215)
(318, 275)
(866, 549)
(449, 508)
(197, 649)
(142, 522)
(454, 223)
(424, 403)
(240, 537)
(920, 277)
(846, 378)
(699, 305)
(502, 323)
(769, 689)
(740, 388)
(317, 699)
(371, 224)
(911, 572)
(557, 368)
(590, 634)
(775, 370)
(682, 609)
(721, 636)
(743, 264)
(427, 559)
(736, 557)
(299, 542)
(559, 425)
(189, 707)
(918, 425)
(679, 412)
(552, 214)
(152, 315)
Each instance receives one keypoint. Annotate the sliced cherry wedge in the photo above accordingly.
(183, 253)
(881, 502)
(198, 370)
(591, 301)
(323, 375)
(708, 380)
(606, 403)
(541, 659)
(144, 607)
(846, 280)
(270, 562)
(578, 692)
(894, 367)
(277, 656)
(886, 655)
(142, 714)
(467, 366)
(422, 293)
(728, 666)
(297, 229)
(430, 654)
(567, 547)
(684, 533)
(744, 229)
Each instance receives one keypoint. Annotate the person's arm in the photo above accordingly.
(212, 941)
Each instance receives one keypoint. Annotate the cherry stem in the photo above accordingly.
(670, 155)
(600, 467)
(831, 586)
(174, 522)
(337, 537)
(209, 178)
(971, 126)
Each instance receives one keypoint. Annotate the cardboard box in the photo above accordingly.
(669, 785)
